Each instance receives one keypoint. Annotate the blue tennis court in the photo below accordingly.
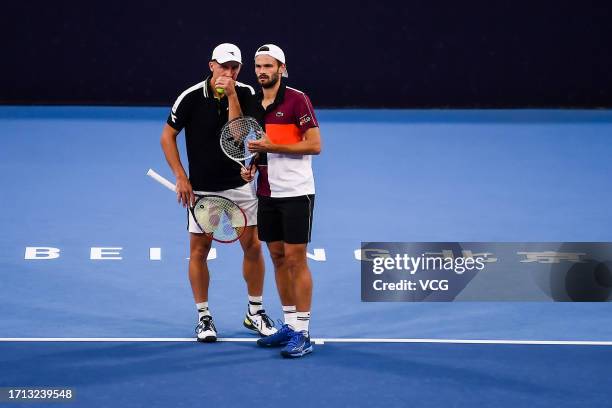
(119, 329)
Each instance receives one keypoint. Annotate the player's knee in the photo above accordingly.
(278, 258)
(200, 251)
(295, 261)
(252, 250)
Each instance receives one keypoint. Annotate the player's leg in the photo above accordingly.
(253, 271)
(282, 274)
(199, 278)
(253, 264)
(270, 231)
(284, 285)
(297, 217)
(284, 282)
(296, 262)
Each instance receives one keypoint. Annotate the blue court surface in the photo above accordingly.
(119, 331)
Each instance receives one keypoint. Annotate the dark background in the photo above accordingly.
(343, 54)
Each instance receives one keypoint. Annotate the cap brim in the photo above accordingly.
(221, 61)
(269, 54)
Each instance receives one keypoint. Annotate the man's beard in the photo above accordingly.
(273, 80)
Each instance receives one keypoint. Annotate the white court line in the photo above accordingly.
(315, 340)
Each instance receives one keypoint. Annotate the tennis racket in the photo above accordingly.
(235, 136)
(218, 217)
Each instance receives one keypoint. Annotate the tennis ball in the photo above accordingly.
(220, 91)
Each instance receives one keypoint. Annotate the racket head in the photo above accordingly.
(235, 136)
(220, 218)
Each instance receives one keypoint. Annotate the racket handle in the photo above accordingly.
(161, 180)
(254, 161)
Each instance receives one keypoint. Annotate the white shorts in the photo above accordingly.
(243, 196)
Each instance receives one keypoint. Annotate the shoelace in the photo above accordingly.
(295, 340)
(205, 324)
(282, 331)
(266, 319)
(283, 327)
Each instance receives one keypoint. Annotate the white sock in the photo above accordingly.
(255, 304)
(290, 316)
(202, 309)
(303, 320)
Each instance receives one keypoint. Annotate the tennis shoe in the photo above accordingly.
(298, 346)
(278, 339)
(205, 330)
(259, 322)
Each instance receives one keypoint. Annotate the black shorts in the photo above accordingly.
(287, 219)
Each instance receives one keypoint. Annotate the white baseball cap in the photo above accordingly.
(226, 52)
(273, 51)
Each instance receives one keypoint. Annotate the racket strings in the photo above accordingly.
(236, 134)
(220, 218)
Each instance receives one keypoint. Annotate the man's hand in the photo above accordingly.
(262, 145)
(228, 85)
(248, 174)
(184, 192)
